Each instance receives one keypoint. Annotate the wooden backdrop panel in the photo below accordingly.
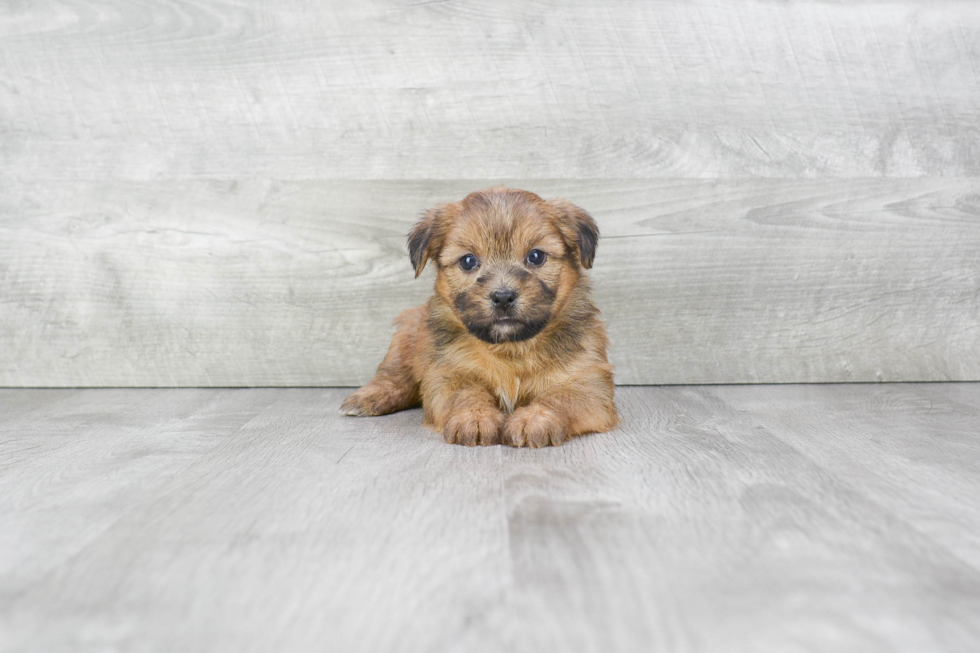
(216, 193)
(297, 282)
(474, 89)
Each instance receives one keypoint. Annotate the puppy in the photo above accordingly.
(510, 348)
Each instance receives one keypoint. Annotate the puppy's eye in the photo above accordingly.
(535, 258)
(469, 262)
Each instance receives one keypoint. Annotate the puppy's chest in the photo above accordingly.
(508, 394)
(513, 391)
(514, 382)
(511, 384)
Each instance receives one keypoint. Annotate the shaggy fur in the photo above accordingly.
(511, 351)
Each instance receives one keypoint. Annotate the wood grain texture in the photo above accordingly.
(469, 89)
(815, 518)
(926, 466)
(108, 449)
(207, 283)
(216, 193)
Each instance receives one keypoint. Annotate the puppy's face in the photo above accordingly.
(506, 258)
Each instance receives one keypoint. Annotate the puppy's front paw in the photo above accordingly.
(372, 399)
(474, 426)
(534, 426)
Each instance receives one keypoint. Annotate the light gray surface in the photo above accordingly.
(207, 283)
(761, 518)
(216, 193)
(469, 89)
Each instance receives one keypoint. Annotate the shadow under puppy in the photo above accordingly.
(510, 348)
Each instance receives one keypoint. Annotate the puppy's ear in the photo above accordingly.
(425, 238)
(578, 228)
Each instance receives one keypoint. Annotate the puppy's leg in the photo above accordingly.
(466, 415)
(395, 385)
(563, 413)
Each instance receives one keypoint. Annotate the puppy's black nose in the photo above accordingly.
(503, 298)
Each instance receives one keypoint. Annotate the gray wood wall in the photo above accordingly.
(216, 193)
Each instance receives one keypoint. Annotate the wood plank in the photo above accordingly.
(15, 403)
(406, 90)
(696, 526)
(911, 448)
(72, 470)
(963, 396)
(278, 532)
(713, 534)
(257, 282)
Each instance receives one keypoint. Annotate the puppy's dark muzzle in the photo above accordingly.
(503, 299)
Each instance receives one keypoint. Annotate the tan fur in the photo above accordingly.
(536, 380)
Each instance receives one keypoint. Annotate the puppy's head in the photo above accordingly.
(507, 259)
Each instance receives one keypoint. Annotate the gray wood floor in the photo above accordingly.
(722, 518)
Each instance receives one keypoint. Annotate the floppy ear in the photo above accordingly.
(425, 238)
(579, 230)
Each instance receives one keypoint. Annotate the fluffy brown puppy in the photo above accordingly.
(510, 348)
